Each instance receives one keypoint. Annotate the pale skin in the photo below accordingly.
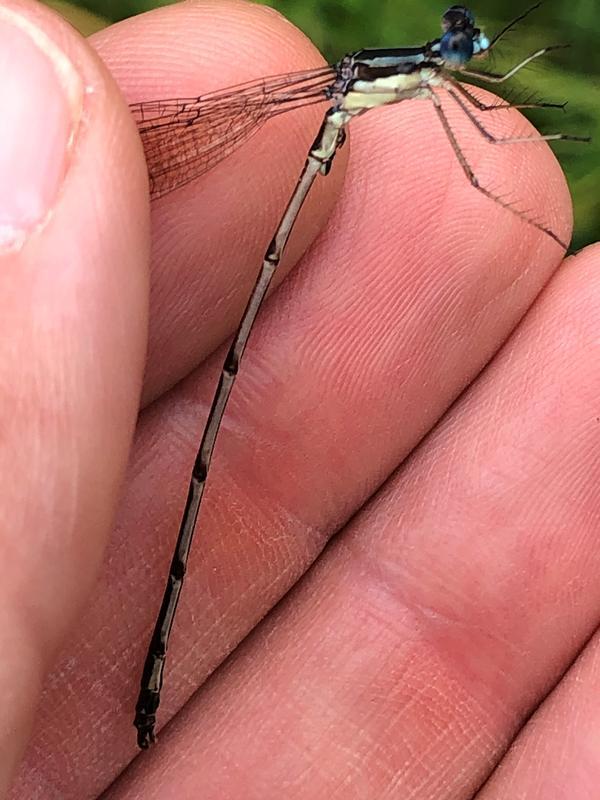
(456, 602)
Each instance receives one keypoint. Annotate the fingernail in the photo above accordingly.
(41, 98)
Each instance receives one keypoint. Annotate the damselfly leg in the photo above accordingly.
(545, 137)
(461, 88)
(455, 88)
(494, 77)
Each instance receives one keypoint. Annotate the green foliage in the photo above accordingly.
(85, 22)
(339, 26)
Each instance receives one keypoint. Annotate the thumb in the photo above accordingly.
(73, 297)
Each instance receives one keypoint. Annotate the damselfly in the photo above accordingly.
(185, 138)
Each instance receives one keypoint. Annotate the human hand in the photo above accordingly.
(407, 659)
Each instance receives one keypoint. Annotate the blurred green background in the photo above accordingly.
(340, 26)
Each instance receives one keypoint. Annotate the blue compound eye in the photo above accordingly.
(456, 47)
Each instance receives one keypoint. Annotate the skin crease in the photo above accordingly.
(454, 604)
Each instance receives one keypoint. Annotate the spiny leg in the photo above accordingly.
(473, 178)
(471, 98)
(540, 137)
(492, 77)
(318, 161)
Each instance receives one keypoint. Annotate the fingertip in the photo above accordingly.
(73, 297)
(41, 95)
(80, 271)
(209, 236)
(200, 46)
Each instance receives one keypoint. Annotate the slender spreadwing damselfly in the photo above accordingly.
(184, 138)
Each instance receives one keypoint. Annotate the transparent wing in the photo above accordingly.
(185, 137)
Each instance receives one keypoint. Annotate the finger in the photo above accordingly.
(355, 357)
(409, 657)
(556, 754)
(210, 236)
(73, 221)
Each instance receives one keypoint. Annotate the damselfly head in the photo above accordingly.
(458, 17)
(461, 40)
